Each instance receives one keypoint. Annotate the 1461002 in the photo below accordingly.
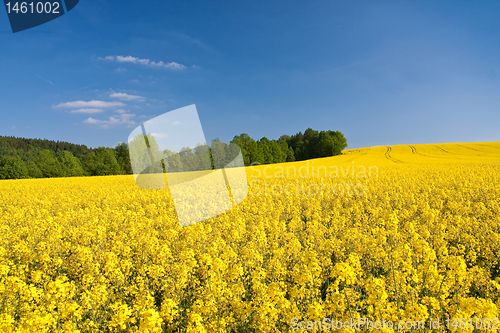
(477, 323)
(32, 8)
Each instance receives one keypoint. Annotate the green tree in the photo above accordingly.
(202, 152)
(278, 155)
(249, 148)
(123, 158)
(34, 171)
(189, 160)
(286, 151)
(219, 154)
(173, 161)
(107, 163)
(102, 163)
(139, 153)
(340, 141)
(311, 140)
(13, 167)
(90, 164)
(48, 165)
(70, 165)
(314, 144)
(264, 155)
(146, 154)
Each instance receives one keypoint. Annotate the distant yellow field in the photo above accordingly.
(390, 234)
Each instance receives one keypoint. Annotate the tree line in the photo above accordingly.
(217, 155)
(39, 158)
(36, 158)
(298, 147)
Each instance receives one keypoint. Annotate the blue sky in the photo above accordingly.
(381, 72)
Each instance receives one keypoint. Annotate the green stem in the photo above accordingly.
(349, 307)
(394, 277)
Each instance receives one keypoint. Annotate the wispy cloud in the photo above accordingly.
(89, 110)
(176, 122)
(188, 39)
(48, 81)
(146, 62)
(89, 104)
(126, 97)
(124, 118)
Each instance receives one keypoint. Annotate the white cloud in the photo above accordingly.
(147, 62)
(91, 120)
(89, 110)
(125, 97)
(124, 118)
(132, 60)
(176, 122)
(89, 104)
(120, 111)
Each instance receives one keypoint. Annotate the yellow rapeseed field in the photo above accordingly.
(399, 233)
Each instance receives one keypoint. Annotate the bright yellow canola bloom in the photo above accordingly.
(400, 233)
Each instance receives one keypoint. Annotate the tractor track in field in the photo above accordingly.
(443, 150)
(356, 151)
(389, 157)
(488, 146)
(477, 151)
(480, 151)
(414, 150)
